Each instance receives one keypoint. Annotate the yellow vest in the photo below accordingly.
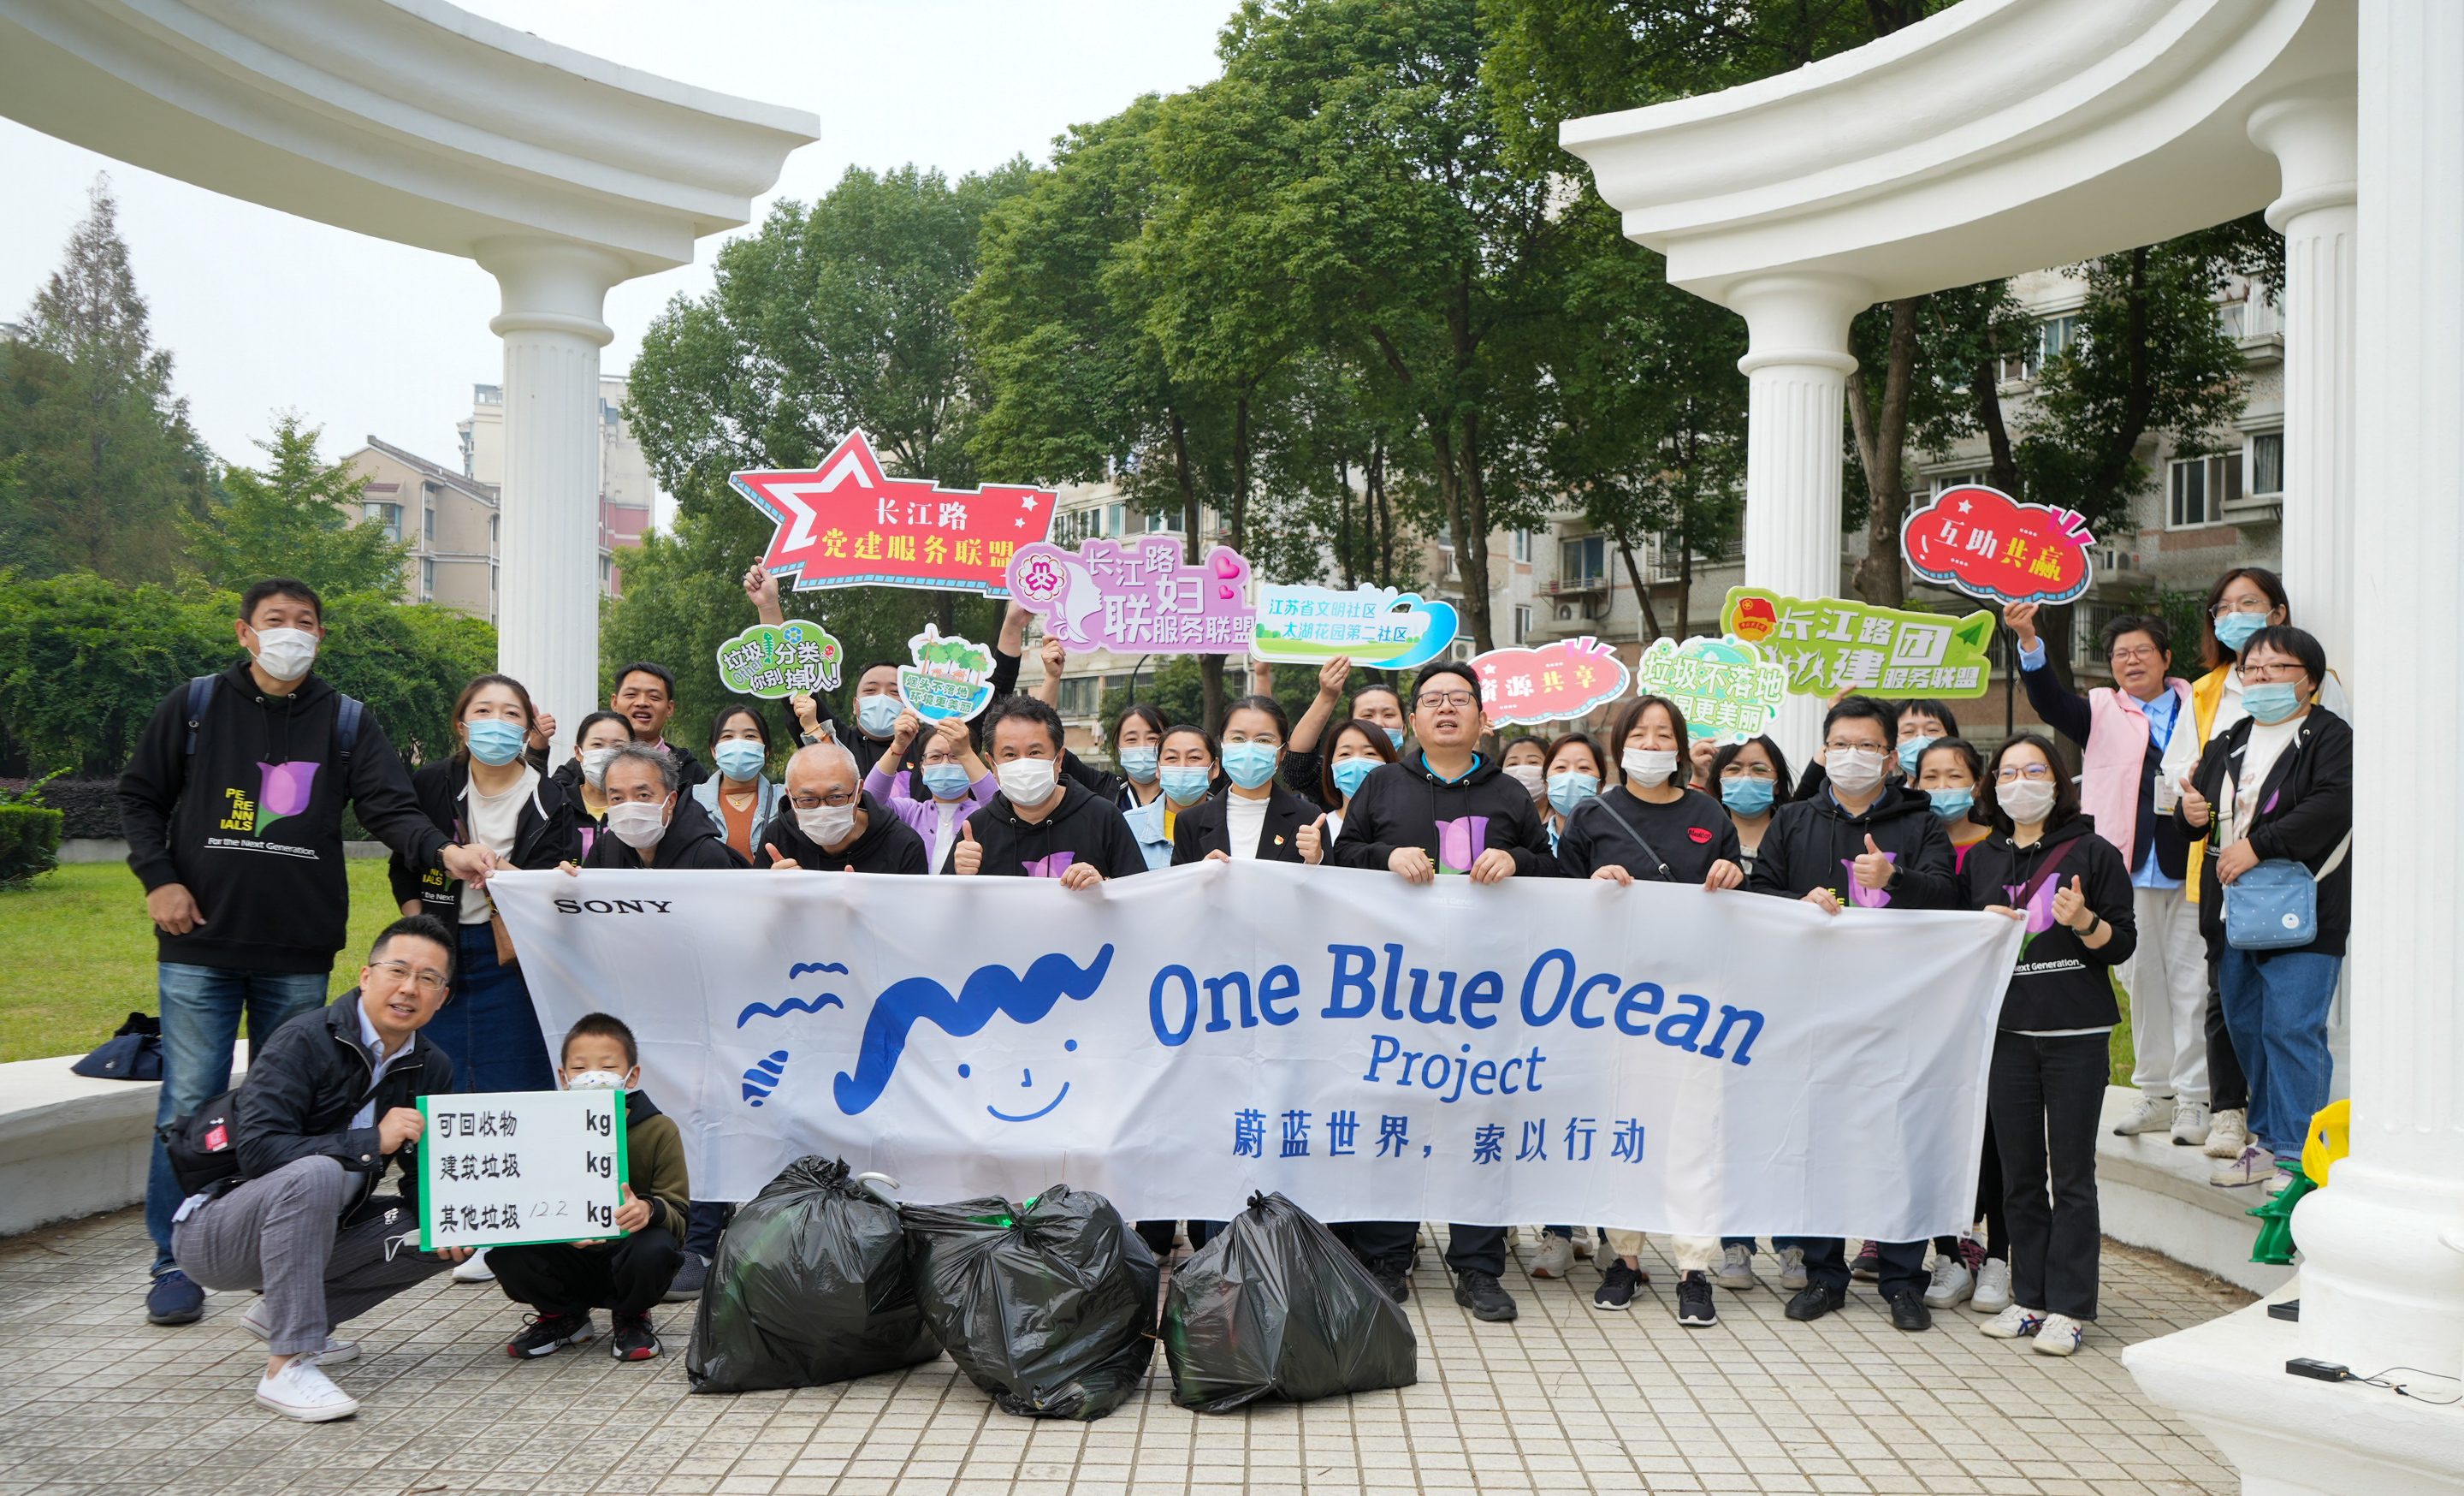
(2206, 694)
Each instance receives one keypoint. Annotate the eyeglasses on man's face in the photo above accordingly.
(427, 979)
(1435, 698)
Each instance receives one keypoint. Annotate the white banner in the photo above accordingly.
(1663, 1058)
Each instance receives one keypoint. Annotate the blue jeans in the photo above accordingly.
(202, 1007)
(2276, 1009)
(488, 1028)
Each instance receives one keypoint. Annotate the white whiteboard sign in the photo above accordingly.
(503, 1168)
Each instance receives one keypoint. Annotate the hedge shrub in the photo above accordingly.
(30, 843)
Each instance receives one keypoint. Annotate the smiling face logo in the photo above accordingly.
(992, 990)
(1027, 1085)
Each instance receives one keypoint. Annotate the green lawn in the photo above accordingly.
(80, 954)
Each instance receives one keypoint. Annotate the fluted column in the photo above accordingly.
(2378, 1287)
(547, 633)
(2311, 134)
(1796, 368)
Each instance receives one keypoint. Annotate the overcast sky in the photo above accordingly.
(263, 311)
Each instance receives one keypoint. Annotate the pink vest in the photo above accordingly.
(2115, 759)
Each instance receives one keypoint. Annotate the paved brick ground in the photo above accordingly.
(91, 1400)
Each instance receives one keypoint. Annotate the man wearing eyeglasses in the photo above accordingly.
(2137, 744)
(330, 1101)
(1445, 810)
(829, 824)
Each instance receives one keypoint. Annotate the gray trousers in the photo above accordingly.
(282, 1234)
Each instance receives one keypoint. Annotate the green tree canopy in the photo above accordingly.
(297, 517)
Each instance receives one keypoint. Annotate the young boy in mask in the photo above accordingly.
(1859, 839)
(565, 1281)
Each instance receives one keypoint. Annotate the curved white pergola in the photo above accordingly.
(2000, 136)
(559, 172)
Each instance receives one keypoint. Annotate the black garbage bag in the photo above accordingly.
(1274, 1306)
(810, 1286)
(1050, 1307)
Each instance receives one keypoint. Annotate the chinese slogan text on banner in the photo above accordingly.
(951, 677)
(1827, 646)
(1988, 545)
(1550, 683)
(507, 1166)
(772, 660)
(1727, 688)
(1136, 598)
(1378, 627)
(1657, 1056)
(846, 524)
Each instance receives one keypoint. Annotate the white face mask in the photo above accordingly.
(827, 825)
(1530, 777)
(2024, 801)
(638, 824)
(1027, 781)
(597, 1081)
(285, 654)
(594, 766)
(1857, 770)
(1648, 767)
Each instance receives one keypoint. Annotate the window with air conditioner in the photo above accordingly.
(1582, 562)
(2200, 488)
(2267, 464)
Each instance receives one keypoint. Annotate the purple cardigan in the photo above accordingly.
(920, 815)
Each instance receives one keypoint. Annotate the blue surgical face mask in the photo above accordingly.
(876, 715)
(1569, 789)
(739, 758)
(1912, 753)
(2235, 628)
(1349, 773)
(494, 742)
(1744, 795)
(946, 781)
(2270, 702)
(1183, 786)
(1394, 736)
(1249, 765)
(1139, 764)
(1952, 804)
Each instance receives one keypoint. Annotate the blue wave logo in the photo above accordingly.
(992, 990)
(763, 1078)
(802, 966)
(762, 1010)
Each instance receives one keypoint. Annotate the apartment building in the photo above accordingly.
(449, 520)
(627, 493)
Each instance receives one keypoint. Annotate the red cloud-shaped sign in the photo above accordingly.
(846, 524)
(1550, 684)
(1988, 545)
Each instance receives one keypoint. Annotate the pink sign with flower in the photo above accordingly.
(1137, 598)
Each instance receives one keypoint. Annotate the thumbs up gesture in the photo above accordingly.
(2195, 808)
(967, 858)
(777, 862)
(1874, 867)
(1312, 841)
(2069, 904)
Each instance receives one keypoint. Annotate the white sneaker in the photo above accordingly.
(2150, 1114)
(2014, 1322)
(1555, 1258)
(2192, 1121)
(2058, 1335)
(1791, 1269)
(337, 1352)
(2228, 1133)
(474, 1268)
(2277, 1186)
(2253, 1167)
(1993, 1288)
(1583, 1243)
(1737, 1268)
(1952, 1283)
(300, 1390)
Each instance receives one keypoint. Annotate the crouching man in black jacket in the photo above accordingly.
(329, 1101)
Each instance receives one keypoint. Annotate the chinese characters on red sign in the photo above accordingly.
(1988, 545)
(1550, 684)
(846, 524)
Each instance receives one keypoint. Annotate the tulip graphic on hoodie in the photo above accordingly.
(1460, 843)
(1049, 866)
(2040, 907)
(1863, 897)
(283, 790)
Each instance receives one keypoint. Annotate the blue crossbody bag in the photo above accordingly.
(2275, 905)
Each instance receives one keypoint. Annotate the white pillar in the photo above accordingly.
(2378, 1288)
(1797, 366)
(2311, 134)
(547, 633)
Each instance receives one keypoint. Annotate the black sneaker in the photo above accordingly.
(1908, 1311)
(1394, 1274)
(1616, 1287)
(1481, 1293)
(633, 1339)
(1868, 1266)
(174, 1299)
(544, 1334)
(1695, 1307)
(689, 1280)
(1813, 1300)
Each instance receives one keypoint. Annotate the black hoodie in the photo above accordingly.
(263, 860)
(2058, 983)
(544, 836)
(1404, 803)
(1810, 844)
(692, 841)
(1086, 828)
(888, 845)
(1687, 835)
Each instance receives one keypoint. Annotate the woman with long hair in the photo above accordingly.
(738, 795)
